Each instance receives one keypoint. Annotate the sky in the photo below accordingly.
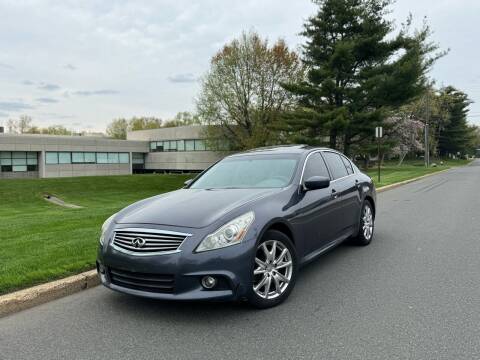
(83, 63)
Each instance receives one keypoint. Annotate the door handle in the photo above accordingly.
(334, 194)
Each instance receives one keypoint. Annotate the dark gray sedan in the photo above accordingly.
(239, 230)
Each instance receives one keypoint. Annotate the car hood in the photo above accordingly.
(195, 208)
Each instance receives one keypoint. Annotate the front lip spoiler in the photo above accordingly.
(188, 296)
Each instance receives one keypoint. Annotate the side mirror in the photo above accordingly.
(317, 182)
(188, 182)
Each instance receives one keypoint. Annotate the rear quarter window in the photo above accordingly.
(335, 164)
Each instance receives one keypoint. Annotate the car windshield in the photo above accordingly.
(249, 171)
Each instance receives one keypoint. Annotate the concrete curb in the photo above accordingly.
(393, 186)
(27, 298)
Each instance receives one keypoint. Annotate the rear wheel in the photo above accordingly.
(367, 225)
(274, 271)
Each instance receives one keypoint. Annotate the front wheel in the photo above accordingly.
(367, 225)
(274, 270)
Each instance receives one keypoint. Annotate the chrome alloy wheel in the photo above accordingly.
(367, 220)
(273, 269)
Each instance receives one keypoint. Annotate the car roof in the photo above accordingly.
(280, 149)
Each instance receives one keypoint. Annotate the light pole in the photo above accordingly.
(427, 128)
(378, 135)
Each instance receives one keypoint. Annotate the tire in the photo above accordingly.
(367, 225)
(272, 278)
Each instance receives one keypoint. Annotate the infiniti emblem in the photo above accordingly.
(138, 242)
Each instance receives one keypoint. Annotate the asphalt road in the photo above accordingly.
(414, 293)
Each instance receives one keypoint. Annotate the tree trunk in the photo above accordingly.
(333, 139)
(366, 162)
(346, 146)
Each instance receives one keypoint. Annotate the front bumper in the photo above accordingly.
(231, 266)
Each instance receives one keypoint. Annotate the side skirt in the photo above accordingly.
(315, 254)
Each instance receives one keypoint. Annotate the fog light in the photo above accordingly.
(209, 282)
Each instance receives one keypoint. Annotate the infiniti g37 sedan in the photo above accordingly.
(241, 229)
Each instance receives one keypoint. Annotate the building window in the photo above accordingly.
(19, 168)
(6, 158)
(64, 158)
(51, 158)
(90, 158)
(113, 158)
(54, 158)
(138, 158)
(189, 145)
(32, 158)
(78, 158)
(124, 158)
(18, 161)
(200, 145)
(19, 158)
(102, 158)
(179, 145)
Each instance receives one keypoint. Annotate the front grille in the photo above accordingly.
(147, 241)
(144, 282)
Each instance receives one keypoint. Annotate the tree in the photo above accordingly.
(359, 71)
(403, 134)
(21, 125)
(456, 136)
(117, 129)
(144, 123)
(51, 130)
(56, 130)
(242, 94)
(183, 118)
(474, 145)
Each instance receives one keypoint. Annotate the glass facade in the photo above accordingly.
(18, 161)
(54, 158)
(179, 145)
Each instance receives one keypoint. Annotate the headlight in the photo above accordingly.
(105, 226)
(229, 234)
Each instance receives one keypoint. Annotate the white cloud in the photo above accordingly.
(48, 87)
(47, 100)
(15, 106)
(70, 67)
(182, 78)
(95, 92)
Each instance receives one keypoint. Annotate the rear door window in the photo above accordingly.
(348, 165)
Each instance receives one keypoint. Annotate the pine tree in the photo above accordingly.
(456, 135)
(358, 72)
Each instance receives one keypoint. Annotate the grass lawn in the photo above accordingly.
(391, 173)
(40, 241)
